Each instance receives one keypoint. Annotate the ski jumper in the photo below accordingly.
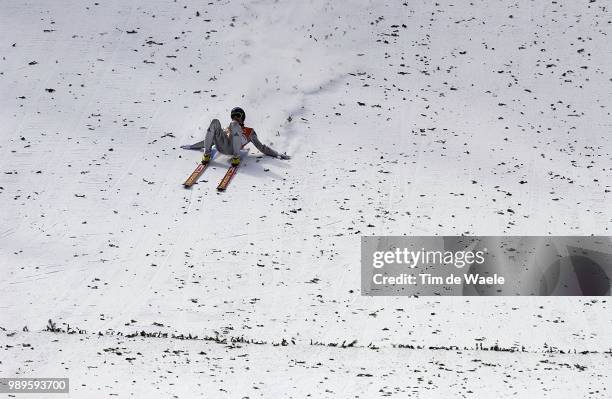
(231, 140)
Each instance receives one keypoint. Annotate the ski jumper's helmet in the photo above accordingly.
(238, 113)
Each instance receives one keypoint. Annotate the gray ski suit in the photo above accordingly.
(231, 140)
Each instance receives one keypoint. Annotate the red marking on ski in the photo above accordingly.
(231, 171)
(193, 178)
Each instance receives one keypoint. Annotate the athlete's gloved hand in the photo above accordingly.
(186, 147)
(284, 156)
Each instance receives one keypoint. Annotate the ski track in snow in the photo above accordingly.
(416, 118)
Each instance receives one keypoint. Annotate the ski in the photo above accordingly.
(195, 175)
(231, 172)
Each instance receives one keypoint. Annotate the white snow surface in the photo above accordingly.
(402, 118)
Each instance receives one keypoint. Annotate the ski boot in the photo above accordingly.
(206, 158)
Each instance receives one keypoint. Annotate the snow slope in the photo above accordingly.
(412, 117)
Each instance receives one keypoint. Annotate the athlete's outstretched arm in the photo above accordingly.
(266, 149)
(197, 146)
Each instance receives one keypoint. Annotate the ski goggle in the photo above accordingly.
(237, 114)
